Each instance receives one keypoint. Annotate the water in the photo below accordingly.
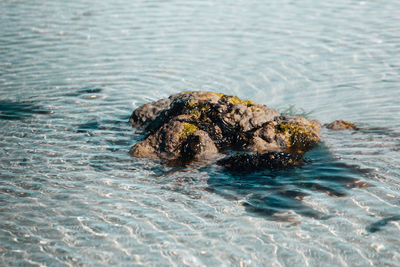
(71, 73)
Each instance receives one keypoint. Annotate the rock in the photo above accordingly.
(341, 125)
(198, 125)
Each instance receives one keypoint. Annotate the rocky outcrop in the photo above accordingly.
(198, 125)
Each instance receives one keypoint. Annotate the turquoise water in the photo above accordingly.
(71, 73)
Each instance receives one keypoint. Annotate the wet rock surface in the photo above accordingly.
(199, 125)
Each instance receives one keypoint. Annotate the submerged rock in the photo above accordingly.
(341, 125)
(198, 125)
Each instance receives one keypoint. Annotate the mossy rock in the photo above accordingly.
(301, 135)
(195, 124)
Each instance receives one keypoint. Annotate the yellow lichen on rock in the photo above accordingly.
(198, 112)
(213, 97)
(188, 129)
(236, 100)
(217, 94)
(300, 136)
(195, 113)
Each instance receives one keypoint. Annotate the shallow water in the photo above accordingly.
(71, 72)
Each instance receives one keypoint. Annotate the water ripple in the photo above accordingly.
(71, 72)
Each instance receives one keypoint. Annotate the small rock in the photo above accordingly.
(341, 125)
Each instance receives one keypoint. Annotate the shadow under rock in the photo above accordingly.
(118, 125)
(13, 110)
(269, 193)
(85, 91)
(377, 226)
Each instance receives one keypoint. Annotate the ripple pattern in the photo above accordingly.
(71, 72)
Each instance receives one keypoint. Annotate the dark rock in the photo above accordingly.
(197, 125)
(341, 125)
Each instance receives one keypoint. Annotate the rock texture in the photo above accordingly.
(198, 125)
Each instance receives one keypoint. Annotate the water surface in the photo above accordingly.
(71, 73)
